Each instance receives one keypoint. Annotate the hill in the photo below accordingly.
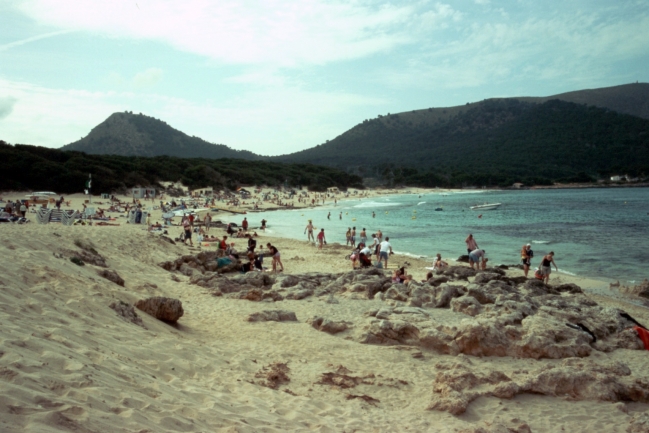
(139, 135)
(26, 167)
(496, 141)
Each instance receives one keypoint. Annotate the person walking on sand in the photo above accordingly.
(244, 224)
(274, 252)
(385, 251)
(187, 227)
(348, 235)
(353, 237)
(471, 244)
(321, 239)
(207, 222)
(477, 257)
(546, 269)
(309, 229)
(526, 258)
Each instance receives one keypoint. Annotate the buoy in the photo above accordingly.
(346, 213)
(413, 218)
(386, 211)
(414, 211)
(353, 219)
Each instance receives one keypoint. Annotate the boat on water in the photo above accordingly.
(486, 206)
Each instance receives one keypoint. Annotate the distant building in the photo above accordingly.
(143, 192)
(333, 189)
(517, 185)
(616, 178)
(204, 192)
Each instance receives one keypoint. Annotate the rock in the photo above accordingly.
(460, 272)
(444, 293)
(391, 332)
(257, 295)
(273, 316)
(438, 281)
(568, 288)
(463, 259)
(456, 385)
(485, 277)
(480, 294)
(332, 300)
(112, 276)
(300, 294)
(467, 305)
(329, 326)
(165, 309)
(127, 312)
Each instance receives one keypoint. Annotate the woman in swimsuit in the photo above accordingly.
(546, 269)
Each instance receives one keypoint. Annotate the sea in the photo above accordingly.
(600, 233)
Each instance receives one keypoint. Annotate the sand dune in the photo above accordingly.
(69, 363)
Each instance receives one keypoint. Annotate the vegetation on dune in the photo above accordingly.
(27, 167)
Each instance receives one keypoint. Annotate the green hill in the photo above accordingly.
(139, 135)
(495, 141)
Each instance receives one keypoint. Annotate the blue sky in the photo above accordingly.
(275, 77)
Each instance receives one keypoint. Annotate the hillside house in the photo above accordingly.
(143, 192)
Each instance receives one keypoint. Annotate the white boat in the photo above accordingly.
(486, 206)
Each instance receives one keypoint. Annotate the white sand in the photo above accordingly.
(69, 363)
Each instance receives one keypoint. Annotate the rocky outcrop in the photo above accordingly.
(113, 276)
(459, 383)
(273, 316)
(165, 309)
(127, 312)
(329, 326)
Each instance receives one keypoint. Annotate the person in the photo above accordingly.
(375, 247)
(223, 245)
(263, 225)
(363, 236)
(439, 263)
(252, 243)
(244, 224)
(354, 257)
(546, 269)
(379, 235)
(348, 235)
(188, 232)
(230, 229)
(385, 251)
(397, 276)
(309, 229)
(23, 209)
(373, 214)
(192, 217)
(526, 258)
(274, 252)
(477, 257)
(321, 239)
(340, 216)
(353, 237)
(208, 222)
(365, 257)
(428, 277)
(329, 216)
(471, 244)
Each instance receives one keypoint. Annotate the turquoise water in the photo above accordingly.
(594, 232)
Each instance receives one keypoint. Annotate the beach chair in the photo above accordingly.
(89, 212)
(43, 215)
(132, 215)
(68, 217)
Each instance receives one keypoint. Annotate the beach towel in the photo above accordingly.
(644, 335)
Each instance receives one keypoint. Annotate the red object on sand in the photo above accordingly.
(644, 335)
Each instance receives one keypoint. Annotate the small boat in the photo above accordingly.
(439, 209)
(486, 206)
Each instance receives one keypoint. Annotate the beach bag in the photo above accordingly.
(538, 274)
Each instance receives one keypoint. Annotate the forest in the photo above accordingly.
(26, 167)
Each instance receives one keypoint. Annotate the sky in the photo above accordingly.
(276, 77)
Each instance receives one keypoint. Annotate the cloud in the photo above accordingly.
(269, 121)
(246, 31)
(33, 39)
(577, 48)
(6, 106)
(148, 78)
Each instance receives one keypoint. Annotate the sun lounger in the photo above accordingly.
(43, 215)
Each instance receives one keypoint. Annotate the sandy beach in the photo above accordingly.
(69, 362)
